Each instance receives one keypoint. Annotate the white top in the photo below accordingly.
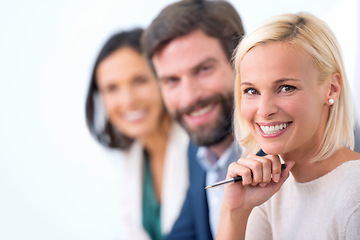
(174, 188)
(325, 208)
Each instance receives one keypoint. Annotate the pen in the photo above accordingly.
(231, 180)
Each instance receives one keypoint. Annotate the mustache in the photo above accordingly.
(199, 104)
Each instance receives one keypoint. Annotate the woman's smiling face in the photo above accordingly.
(130, 93)
(282, 101)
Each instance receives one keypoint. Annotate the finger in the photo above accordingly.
(275, 167)
(284, 175)
(289, 166)
(286, 172)
(256, 170)
(266, 168)
(236, 169)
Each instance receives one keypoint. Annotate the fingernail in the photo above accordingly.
(276, 178)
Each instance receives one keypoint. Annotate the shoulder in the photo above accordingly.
(177, 145)
(349, 172)
(340, 188)
(349, 181)
(178, 134)
(134, 152)
(352, 230)
(348, 192)
(176, 157)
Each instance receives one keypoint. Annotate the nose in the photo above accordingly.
(126, 97)
(267, 106)
(189, 91)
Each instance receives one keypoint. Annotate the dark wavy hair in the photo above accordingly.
(102, 129)
(217, 18)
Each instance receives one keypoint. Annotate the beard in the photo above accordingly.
(213, 132)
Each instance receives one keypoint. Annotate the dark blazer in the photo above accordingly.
(193, 221)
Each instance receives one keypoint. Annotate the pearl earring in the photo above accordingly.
(331, 101)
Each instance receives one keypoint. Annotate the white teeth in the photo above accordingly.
(201, 111)
(134, 115)
(274, 128)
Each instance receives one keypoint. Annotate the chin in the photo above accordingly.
(272, 150)
(271, 153)
(135, 133)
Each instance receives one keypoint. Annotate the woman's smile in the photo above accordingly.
(272, 129)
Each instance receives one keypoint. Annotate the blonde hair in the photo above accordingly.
(313, 35)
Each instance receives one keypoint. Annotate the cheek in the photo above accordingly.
(299, 107)
(248, 110)
(109, 104)
(169, 99)
(227, 82)
(157, 103)
(148, 92)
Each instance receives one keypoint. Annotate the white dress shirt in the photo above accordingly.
(216, 170)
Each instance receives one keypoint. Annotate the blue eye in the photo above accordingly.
(204, 68)
(169, 81)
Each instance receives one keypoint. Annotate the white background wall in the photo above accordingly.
(55, 181)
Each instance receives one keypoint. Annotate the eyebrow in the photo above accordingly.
(279, 81)
(192, 69)
(207, 60)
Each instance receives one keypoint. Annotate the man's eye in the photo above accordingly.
(205, 68)
(251, 91)
(168, 81)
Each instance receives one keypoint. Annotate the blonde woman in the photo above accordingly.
(292, 100)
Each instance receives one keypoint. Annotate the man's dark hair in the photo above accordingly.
(217, 18)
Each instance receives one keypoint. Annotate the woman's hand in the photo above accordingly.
(262, 178)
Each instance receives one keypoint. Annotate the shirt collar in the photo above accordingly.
(209, 161)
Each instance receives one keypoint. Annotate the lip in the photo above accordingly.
(134, 116)
(195, 120)
(275, 129)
